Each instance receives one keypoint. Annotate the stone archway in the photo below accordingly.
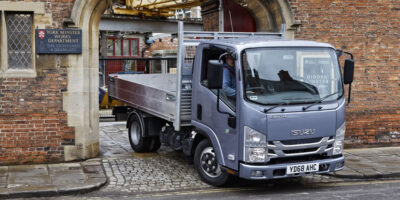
(81, 98)
(270, 14)
(283, 8)
(80, 101)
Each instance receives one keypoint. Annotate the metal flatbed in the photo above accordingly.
(151, 93)
(169, 96)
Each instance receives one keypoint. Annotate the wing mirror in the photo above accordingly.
(348, 71)
(215, 70)
(348, 74)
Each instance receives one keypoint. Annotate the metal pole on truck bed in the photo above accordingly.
(177, 121)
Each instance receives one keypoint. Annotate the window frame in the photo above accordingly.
(289, 47)
(203, 75)
(114, 39)
(5, 70)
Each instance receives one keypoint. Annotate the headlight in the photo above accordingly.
(255, 145)
(339, 140)
(256, 154)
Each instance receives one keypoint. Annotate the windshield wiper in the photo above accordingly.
(281, 104)
(319, 101)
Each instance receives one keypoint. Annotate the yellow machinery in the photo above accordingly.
(103, 100)
(154, 8)
(107, 105)
(119, 109)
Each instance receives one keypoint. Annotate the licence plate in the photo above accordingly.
(302, 168)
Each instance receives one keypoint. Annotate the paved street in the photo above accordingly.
(51, 179)
(166, 174)
(165, 170)
(371, 163)
(295, 189)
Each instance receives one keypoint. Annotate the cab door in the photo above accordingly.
(204, 107)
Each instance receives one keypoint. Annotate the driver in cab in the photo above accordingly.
(229, 84)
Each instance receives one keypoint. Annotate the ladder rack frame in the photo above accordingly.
(193, 38)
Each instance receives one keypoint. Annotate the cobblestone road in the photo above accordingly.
(165, 170)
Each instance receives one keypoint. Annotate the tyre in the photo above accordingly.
(120, 113)
(206, 164)
(135, 133)
(121, 116)
(155, 144)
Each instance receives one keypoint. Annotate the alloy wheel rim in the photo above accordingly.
(209, 163)
(135, 133)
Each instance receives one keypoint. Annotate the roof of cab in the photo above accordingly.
(243, 43)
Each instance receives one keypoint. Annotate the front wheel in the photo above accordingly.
(206, 164)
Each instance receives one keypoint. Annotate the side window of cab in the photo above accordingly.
(214, 54)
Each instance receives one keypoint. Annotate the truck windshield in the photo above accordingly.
(291, 75)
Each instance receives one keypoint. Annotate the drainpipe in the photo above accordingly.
(221, 16)
(148, 42)
(147, 66)
(144, 49)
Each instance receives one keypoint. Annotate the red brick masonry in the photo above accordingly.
(370, 29)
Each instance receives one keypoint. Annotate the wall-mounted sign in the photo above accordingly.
(58, 41)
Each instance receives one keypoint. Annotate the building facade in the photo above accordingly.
(49, 103)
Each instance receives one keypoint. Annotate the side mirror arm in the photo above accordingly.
(348, 98)
(350, 54)
(232, 125)
(340, 52)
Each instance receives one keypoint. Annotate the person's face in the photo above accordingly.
(230, 61)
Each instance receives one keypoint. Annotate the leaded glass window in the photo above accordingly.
(19, 38)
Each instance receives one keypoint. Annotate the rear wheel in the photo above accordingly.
(155, 143)
(136, 129)
(206, 164)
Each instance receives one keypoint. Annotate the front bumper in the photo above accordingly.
(246, 171)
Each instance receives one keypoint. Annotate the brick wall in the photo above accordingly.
(210, 15)
(60, 9)
(369, 29)
(33, 125)
(166, 44)
(162, 44)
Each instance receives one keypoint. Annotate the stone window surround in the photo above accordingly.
(7, 6)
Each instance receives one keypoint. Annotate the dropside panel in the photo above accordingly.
(151, 93)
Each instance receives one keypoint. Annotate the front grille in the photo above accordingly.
(301, 141)
(299, 150)
(301, 147)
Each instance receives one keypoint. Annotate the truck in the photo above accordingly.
(287, 118)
